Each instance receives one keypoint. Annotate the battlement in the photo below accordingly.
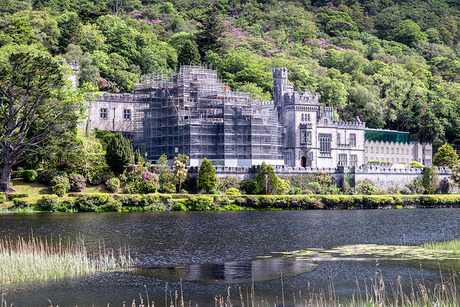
(109, 97)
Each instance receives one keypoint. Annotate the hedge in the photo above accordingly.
(167, 202)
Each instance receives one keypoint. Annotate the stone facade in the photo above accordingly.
(191, 111)
(312, 138)
(398, 153)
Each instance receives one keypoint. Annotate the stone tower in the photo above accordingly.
(279, 84)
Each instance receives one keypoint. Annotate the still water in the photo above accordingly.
(216, 252)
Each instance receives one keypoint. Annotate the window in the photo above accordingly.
(376, 150)
(308, 117)
(407, 151)
(127, 114)
(353, 160)
(338, 138)
(381, 150)
(397, 151)
(392, 150)
(372, 149)
(352, 140)
(302, 117)
(325, 143)
(365, 149)
(103, 113)
(342, 159)
(305, 137)
(388, 150)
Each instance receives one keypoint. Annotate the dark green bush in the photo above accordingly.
(29, 175)
(15, 196)
(179, 207)
(2, 197)
(50, 203)
(111, 205)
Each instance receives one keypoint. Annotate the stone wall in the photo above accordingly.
(384, 177)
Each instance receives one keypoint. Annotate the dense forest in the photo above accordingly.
(393, 63)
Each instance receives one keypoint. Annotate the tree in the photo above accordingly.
(446, 156)
(430, 180)
(188, 54)
(206, 176)
(180, 172)
(268, 183)
(34, 107)
(210, 31)
(119, 153)
(409, 33)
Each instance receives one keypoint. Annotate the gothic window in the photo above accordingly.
(397, 151)
(342, 159)
(325, 143)
(388, 150)
(127, 114)
(353, 160)
(308, 117)
(103, 113)
(376, 150)
(352, 140)
(303, 118)
(338, 138)
(305, 137)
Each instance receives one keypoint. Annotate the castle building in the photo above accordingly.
(192, 111)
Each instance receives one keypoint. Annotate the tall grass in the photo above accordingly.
(36, 259)
(446, 246)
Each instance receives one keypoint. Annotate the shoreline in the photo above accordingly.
(202, 202)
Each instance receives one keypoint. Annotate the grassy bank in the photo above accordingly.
(35, 259)
(102, 202)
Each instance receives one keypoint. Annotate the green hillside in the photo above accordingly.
(393, 63)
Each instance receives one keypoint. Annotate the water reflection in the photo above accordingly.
(231, 272)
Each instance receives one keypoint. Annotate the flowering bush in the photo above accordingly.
(140, 180)
(77, 182)
(97, 175)
(47, 175)
(60, 180)
(50, 203)
(113, 184)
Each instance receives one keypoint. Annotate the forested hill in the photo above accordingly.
(393, 63)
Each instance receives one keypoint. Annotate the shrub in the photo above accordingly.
(299, 181)
(249, 186)
(200, 203)
(295, 191)
(430, 180)
(179, 207)
(98, 175)
(2, 197)
(140, 180)
(30, 175)
(111, 205)
(20, 203)
(59, 189)
(76, 182)
(394, 189)
(113, 184)
(87, 203)
(16, 174)
(415, 187)
(233, 191)
(415, 164)
(16, 196)
(46, 176)
(50, 203)
(60, 179)
(315, 187)
(365, 187)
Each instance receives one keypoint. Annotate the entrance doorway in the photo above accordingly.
(303, 161)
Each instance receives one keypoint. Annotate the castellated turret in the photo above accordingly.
(279, 84)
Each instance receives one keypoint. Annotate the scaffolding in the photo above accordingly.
(192, 111)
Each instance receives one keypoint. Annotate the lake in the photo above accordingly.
(216, 252)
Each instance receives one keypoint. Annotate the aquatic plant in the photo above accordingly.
(36, 259)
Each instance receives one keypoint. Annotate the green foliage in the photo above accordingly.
(2, 197)
(50, 203)
(200, 203)
(180, 172)
(119, 154)
(113, 184)
(415, 164)
(233, 191)
(228, 182)
(446, 156)
(365, 187)
(206, 176)
(430, 180)
(30, 175)
(415, 187)
(59, 189)
(409, 33)
(188, 54)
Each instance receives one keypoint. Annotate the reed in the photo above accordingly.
(36, 259)
(452, 247)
